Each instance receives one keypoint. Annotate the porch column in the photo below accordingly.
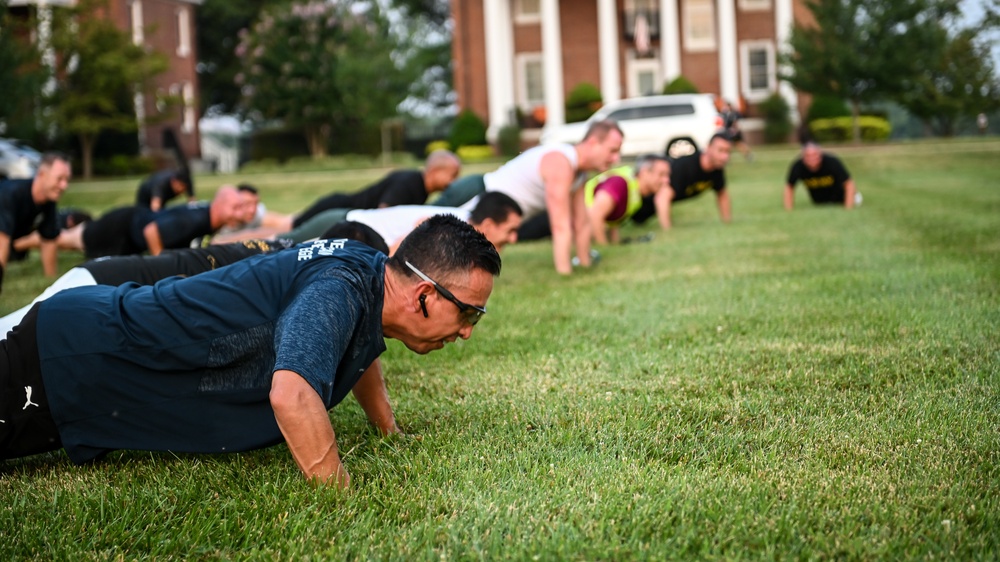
(499, 38)
(607, 36)
(555, 110)
(783, 21)
(670, 40)
(728, 68)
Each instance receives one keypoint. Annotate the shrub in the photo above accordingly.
(468, 130)
(777, 121)
(840, 129)
(437, 145)
(583, 100)
(509, 140)
(825, 107)
(680, 85)
(474, 153)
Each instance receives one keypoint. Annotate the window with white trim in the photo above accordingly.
(758, 75)
(644, 77)
(754, 5)
(699, 25)
(135, 14)
(527, 11)
(530, 81)
(183, 32)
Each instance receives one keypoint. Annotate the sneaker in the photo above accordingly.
(858, 198)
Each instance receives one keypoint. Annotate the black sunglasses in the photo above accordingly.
(470, 312)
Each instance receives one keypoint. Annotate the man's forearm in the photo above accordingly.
(50, 258)
(305, 424)
(789, 198)
(849, 191)
(4, 248)
(725, 206)
(153, 241)
(371, 394)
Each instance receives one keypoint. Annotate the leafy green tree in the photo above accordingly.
(321, 67)
(864, 51)
(98, 71)
(219, 25)
(960, 81)
(21, 75)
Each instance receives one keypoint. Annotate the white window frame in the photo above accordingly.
(523, 60)
(523, 17)
(772, 73)
(754, 5)
(189, 113)
(135, 13)
(183, 32)
(699, 8)
(636, 66)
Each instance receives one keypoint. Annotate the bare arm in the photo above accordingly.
(50, 260)
(725, 205)
(557, 173)
(663, 199)
(789, 197)
(155, 204)
(371, 393)
(581, 226)
(602, 206)
(4, 249)
(305, 424)
(153, 240)
(849, 191)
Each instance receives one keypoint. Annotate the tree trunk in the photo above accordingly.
(87, 142)
(856, 121)
(316, 139)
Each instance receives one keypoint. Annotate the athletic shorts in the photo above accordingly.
(26, 425)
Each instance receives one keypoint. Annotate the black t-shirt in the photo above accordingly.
(402, 187)
(687, 180)
(178, 225)
(158, 185)
(20, 216)
(147, 270)
(826, 184)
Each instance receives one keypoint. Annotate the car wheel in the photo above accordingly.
(681, 147)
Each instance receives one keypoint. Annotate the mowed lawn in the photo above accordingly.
(812, 385)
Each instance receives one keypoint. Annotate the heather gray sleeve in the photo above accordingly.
(315, 330)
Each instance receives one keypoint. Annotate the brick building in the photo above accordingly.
(529, 54)
(167, 26)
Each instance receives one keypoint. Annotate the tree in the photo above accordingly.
(22, 77)
(98, 70)
(219, 24)
(423, 32)
(960, 81)
(322, 67)
(864, 51)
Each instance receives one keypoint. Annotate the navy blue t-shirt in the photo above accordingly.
(186, 364)
(178, 225)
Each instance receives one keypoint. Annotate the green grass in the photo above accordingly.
(812, 385)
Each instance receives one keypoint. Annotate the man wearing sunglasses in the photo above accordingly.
(242, 357)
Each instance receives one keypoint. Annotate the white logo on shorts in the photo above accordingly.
(27, 390)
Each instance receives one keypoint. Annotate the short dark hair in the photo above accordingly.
(646, 160)
(357, 231)
(724, 135)
(496, 206)
(69, 217)
(49, 157)
(183, 175)
(443, 245)
(600, 129)
(247, 188)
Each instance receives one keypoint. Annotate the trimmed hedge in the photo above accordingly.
(583, 100)
(840, 129)
(509, 140)
(680, 85)
(467, 130)
(474, 153)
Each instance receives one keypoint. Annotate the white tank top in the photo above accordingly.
(521, 178)
(393, 223)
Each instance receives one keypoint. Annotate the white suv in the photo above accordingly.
(676, 125)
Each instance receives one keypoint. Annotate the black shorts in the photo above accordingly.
(26, 425)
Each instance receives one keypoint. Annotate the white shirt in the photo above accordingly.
(394, 223)
(521, 178)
